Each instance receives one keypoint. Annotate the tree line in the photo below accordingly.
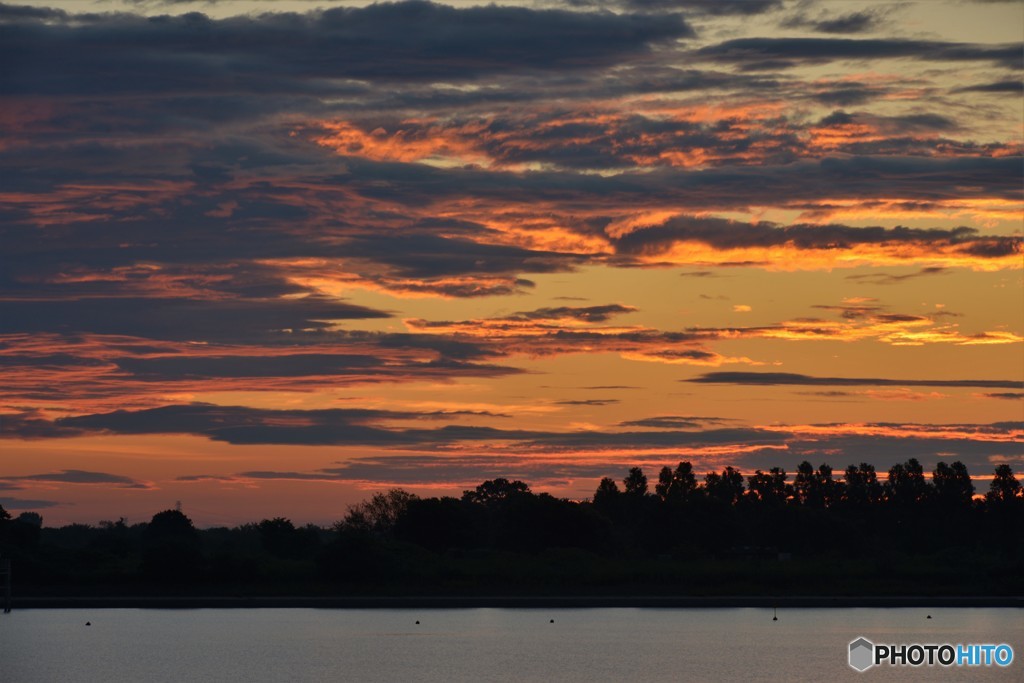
(725, 533)
(951, 486)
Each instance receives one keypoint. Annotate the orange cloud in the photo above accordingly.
(790, 258)
(418, 140)
(903, 431)
(93, 201)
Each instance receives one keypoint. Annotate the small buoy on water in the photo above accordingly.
(929, 616)
(552, 621)
(417, 621)
(88, 623)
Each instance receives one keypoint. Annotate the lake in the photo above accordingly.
(617, 644)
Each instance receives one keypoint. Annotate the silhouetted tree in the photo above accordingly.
(281, 539)
(678, 485)
(172, 548)
(495, 491)
(953, 486)
(379, 513)
(906, 484)
(440, 524)
(25, 530)
(532, 523)
(815, 488)
(4, 523)
(769, 488)
(31, 518)
(115, 538)
(661, 489)
(803, 483)
(1004, 487)
(635, 483)
(1004, 519)
(606, 497)
(831, 490)
(170, 524)
(861, 485)
(726, 487)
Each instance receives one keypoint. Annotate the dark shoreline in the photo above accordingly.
(522, 602)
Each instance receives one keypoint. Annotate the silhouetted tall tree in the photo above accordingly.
(861, 485)
(953, 486)
(906, 484)
(726, 487)
(635, 483)
(678, 485)
(816, 488)
(831, 490)
(803, 483)
(661, 489)
(1004, 487)
(770, 487)
(606, 496)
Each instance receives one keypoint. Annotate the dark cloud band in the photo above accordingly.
(407, 41)
(788, 52)
(785, 378)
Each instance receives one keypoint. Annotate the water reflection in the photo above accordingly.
(481, 644)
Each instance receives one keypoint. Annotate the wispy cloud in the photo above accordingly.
(774, 53)
(10, 503)
(75, 477)
(787, 378)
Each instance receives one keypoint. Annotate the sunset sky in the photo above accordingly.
(267, 258)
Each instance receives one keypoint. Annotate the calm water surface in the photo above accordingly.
(484, 644)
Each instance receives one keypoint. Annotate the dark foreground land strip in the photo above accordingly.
(462, 602)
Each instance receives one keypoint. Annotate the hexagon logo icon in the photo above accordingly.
(862, 654)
